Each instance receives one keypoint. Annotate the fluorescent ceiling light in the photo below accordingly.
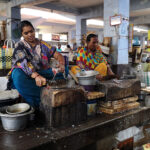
(95, 22)
(138, 29)
(45, 14)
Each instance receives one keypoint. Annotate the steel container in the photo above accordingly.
(88, 79)
(18, 108)
(15, 122)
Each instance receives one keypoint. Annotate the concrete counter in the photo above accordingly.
(75, 137)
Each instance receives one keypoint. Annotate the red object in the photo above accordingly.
(4, 46)
(126, 145)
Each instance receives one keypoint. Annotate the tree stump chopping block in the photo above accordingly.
(118, 89)
(63, 107)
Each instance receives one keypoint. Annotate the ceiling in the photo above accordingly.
(79, 3)
(75, 5)
(69, 3)
(62, 7)
(140, 12)
(40, 20)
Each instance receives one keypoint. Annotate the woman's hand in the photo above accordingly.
(34, 75)
(40, 81)
(61, 68)
(99, 77)
(109, 71)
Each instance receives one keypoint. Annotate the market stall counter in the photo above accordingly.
(74, 137)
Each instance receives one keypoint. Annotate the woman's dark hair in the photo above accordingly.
(68, 46)
(88, 39)
(25, 23)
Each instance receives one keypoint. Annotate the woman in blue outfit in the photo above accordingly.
(59, 48)
(31, 65)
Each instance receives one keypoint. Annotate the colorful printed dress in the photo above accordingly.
(27, 60)
(89, 60)
(32, 59)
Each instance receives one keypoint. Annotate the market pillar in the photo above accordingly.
(70, 38)
(100, 36)
(119, 33)
(142, 41)
(14, 17)
(80, 30)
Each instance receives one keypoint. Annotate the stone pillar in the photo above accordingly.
(14, 17)
(118, 33)
(70, 38)
(100, 36)
(142, 42)
(80, 30)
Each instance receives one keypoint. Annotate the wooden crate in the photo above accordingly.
(115, 91)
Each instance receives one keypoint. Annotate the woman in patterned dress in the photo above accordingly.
(91, 58)
(31, 65)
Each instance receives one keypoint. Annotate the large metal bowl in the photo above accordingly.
(88, 79)
(15, 122)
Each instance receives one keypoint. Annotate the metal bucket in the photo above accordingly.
(88, 79)
(15, 122)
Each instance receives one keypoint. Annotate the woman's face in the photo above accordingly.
(28, 33)
(92, 45)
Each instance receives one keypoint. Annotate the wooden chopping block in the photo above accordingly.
(146, 90)
(132, 105)
(119, 107)
(119, 89)
(127, 106)
(60, 97)
(111, 111)
(94, 95)
(63, 107)
(130, 99)
(118, 103)
(113, 106)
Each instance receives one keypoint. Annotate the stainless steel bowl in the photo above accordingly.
(18, 108)
(15, 122)
(88, 79)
